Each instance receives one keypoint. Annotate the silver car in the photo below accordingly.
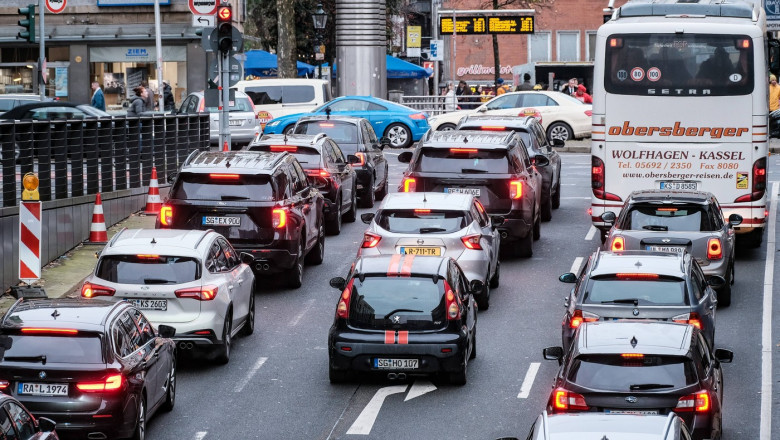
(678, 221)
(244, 126)
(191, 280)
(598, 426)
(451, 225)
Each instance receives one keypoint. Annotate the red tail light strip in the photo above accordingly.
(390, 337)
(403, 337)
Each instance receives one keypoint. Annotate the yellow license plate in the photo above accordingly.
(421, 251)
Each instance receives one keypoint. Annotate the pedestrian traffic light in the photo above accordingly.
(225, 28)
(28, 23)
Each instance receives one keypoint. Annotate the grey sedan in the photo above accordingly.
(243, 123)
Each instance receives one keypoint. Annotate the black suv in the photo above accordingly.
(261, 202)
(328, 169)
(404, 315)
(537, 143)
(494, 167)
(97, 368)
(355, 136)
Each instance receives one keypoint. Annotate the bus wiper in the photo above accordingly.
(41, 358)
(656, 227)
(429, 230)
(155, 281)
(633, 301)
(402, 310)
(649, 386)
(472, 170)
(224, 197)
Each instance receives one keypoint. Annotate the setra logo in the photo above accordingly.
(676, 130)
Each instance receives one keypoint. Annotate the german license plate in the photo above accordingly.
(679, 185)
(221, 221)
(396, 364)
(150, 304)
(43, 389)
(674, 249)
(234, 122)
(637, 412)
(473, 191)
(415, 250)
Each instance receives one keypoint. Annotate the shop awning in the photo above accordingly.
(262, 63)
(400, 69)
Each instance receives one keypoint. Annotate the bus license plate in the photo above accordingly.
(395, 364)
(421, 251)
(473, 191)
(679, 185)
(151, 304)
(221, 221)
(43, 389)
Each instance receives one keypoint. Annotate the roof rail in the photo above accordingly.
(190, 157)
(317, 137)
(116, 306)
(115, 237)
(10, 309)
(205, 233)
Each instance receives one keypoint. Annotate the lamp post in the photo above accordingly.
(320, 18)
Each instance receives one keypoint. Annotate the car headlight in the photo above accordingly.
(272, 123)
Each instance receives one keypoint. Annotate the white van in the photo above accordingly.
(275, 97)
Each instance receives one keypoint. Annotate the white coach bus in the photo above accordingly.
(680, 102)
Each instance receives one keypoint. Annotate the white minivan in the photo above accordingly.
(275, 97)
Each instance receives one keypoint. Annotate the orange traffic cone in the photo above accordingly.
(97, 229)
(153, 202)
(225, 147)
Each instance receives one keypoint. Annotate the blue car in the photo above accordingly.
(401, 124)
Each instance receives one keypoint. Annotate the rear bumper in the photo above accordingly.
(430, 356)
(274, 260)
(110, 420)
(514, 229)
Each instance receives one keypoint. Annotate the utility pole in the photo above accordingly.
(158, 47)
(42, 54)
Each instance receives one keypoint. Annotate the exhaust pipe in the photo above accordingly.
(266, 267)
(189, 346)
(185, 345)
(503, 234)
(392, 376)
(401, 376)
(96, 436)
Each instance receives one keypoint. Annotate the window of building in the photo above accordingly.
(590, 43)
(568, 45)
(539, 47)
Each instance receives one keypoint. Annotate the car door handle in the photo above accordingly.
(240, 281)
(230, 287)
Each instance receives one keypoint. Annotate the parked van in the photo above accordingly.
(275, 97)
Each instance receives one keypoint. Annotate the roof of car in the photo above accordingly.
(350, 119)
(612, 426)
(659, 195)
(22, 109)
(645, 337)
(298, 140)
(398, 265)
(644, 262)
(76, 313)
(475, 138)
(246, 162)
(183, 242)
(423, 200)
(505, 121)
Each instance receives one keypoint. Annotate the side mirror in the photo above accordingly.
(166, 331)
(476, 286)
(497, 220)
(716, 281)
(568, 278)
(553, 353)
(541, 160)
(247, 258)
(338, 283)
(367, 218)
(46, 425)
(608, 217)
(482, 109)
(172, 177)
(735, 219)
(723, 355)
(352, 159)
(405, 157)
(560, 143)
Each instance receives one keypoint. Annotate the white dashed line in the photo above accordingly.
(575, 267)
(240, 386)
(765, 432)
(591, 233)
(528, 382)
(303, 312)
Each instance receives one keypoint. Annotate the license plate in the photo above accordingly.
(221, 221)
(679, 185)
(675, 249)
(421, 251)
(234, 122)
(43, 389)
(637, 412)
(396, 364)
(150, 304)
(473, 191)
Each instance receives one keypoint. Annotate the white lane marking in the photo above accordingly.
(765, 433)
(419, 387)
(575, 267)
(249, 375)
(575, 198)
(528, 382)
(303, 312)
(200, 435)
(591, 233)
(365, 421)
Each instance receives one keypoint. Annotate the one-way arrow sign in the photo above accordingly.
(203, 21)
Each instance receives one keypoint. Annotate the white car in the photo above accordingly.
(191, 280)
(277, 97)
(562, 116)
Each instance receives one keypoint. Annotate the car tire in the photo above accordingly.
(547, 208)
(751, 240)
(170, 394)
(351, 215)
(369, 197)
(483, 299)
(560, 130)
(337, 376)
(140, 425)
(446, 127)
(460, 377)
(399, 134)
(556, 197)
(249, 325)
(288, 130)
(473, 344)
(316, 255)
(382, 193)
(525, 246)
(223, 350)
(724, 294)
(334, 226)
(538, 228)
(496, 279)
(295, 274)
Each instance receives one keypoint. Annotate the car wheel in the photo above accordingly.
(334, 226)
(368, 198)
(460, 377)
(538, 228)
(337, 376)
(525, 246)
(351, 215)
(724, 294)
(751, 240)
(547, 208)
(496, 279)
(560, 130)
(473, 344)
(556, 198)
(295, 274)
(170, 395)
(446, 127)
(399, 134)
(289, 129)
(140, 424)
(317, 254)
(483, 299)
(223, 351)
(249, 326)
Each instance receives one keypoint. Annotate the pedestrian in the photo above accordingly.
(570, 88)
(149, 98)
(98, 99)
(526, 85)
(501, 88)
(138, 102)
(582, 95)
(483, 93)
(168, 101)
(450, 99)
(774, 106)
(463, 92)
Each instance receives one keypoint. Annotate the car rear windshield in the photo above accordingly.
(376, 300)
(57, 349)
(678, 218)
(147, 269)
(240, 104)
(421, 221)
(646, 373)
(463, 160)
(307, 156)
(222, 186)
(661, 291)
(339, 131)
(265, 95)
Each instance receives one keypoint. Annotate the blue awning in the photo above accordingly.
(262, 63)
(399, 69)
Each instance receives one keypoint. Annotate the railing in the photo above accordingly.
(436, 105)
(85, 156)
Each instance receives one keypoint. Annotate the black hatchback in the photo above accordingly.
(98, 369)
(402, 315)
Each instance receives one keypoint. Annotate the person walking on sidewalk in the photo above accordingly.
(138, 102)
(774, 106)
(98, 99)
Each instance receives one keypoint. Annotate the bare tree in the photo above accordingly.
(286, 49)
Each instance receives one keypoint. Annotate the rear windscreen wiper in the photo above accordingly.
(472, 170)
(428, 230)
(156, 281)
(402, 310)
(633, 301)
(41, 358)
(649, 386)
(656, 227)
(234, 198)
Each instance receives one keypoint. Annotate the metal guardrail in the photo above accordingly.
(85, 156)
(436, 105)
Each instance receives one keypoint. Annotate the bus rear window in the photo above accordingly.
(679, 64)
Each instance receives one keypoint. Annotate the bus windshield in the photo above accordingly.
(679, 64)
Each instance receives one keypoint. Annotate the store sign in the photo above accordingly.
(136, 54)
(131, 2)
(479, 69)
(413, 36)
(470, 25)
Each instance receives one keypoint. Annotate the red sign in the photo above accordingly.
(56, 6)
(263, 117)
(202, 7)
(428, 65)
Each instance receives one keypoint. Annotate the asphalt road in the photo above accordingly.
(276, 385)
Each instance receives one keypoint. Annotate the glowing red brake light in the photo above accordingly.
(578, 318)
(49, 331)
(636, 276)
(699, 402)
(422, 211)
(689, 318)
(318, 173)
(492, 128)
(515, 189)
(463, 150)
(417, 116)
(714, 249)
(205, 293)
(223, 176)
(632, 356)
(147, 256)
(472, 241)
(409, 184)
(451, 303)
(342, 310)
(370, 240)
(618, 244)
(4, 384)
(326, 124)
(759, 183)
(564, 400)
(278, 218)
(90, 290)
(111, 383)
(290, 148)
(166, 215)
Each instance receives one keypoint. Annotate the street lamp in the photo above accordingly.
(320, 18)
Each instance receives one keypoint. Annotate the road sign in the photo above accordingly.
(437, 50)
(203, 7)
(236, 71)
(56, 6)
(204, 21)
(30, 241)
(413, 36)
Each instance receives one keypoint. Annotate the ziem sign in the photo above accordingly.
(56, 6)
(203, 7)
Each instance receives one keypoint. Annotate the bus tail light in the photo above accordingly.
(714, 249)
(597, 181)
(759, 183)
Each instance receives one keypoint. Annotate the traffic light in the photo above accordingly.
(225, 28)
(28, 23)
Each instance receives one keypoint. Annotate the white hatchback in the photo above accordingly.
(189, 279)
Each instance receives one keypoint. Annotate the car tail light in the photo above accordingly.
(409, 185)
(370, 240)
(463, 150)
(90, 290)
(618, 244)
(699, 402)
(205, 293)
(111, 383)
(362, 157)
(418, 116)
(589, 113)
(318, 173)
(422, 211)
(472, 241)
(49, 331)
(4, 384)
(166, 216)
(689, 318)
(223, 176)
(636, 276)
(342, 310)
(714, 249)
(564, 400)
(597, 181)
(290, 148)
(579, 317)
(492, 128)
(759, 182)
(632, 356)
(515, 189)
(202, 106)
(326, 124)
(451, 303)
(278, 218)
